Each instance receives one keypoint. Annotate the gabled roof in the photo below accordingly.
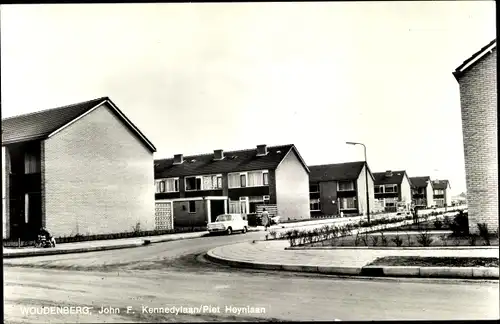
(420, 182)
(475, 58)
(43, 124)
(336, 172)
(234, 161)
(441, 184)
(396, 177)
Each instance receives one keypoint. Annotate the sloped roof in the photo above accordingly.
(42, 124)
(475, 58)
(440, 184)
(234, 161)
(396, 178)
(335, 172)
(419, 182)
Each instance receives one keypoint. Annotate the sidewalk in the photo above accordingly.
(271, 255)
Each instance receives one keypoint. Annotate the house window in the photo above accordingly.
(192, 207)
(193, 183)
(233, 180)
(348, 203)
(345, 186)
(439, 192)
(160, 186)
(172, 185)
(379, 189)
(391, 188)
(265, 178)
(314, 188)
(243, 180)
(315, 205)
(390, 202)
(26, 208)
(31, 163)
(219, 182)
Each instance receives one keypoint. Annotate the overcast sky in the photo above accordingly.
(199, 77)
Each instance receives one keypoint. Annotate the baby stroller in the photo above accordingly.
(43, 242)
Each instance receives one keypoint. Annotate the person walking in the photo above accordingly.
(265, 218)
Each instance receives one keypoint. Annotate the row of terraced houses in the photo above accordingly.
(86, 169)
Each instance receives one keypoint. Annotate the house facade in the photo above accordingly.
(392, 189)
(441, 193)
(80, 169)
(200, 187)
(422, 191)
(477, 79)
(336, 188)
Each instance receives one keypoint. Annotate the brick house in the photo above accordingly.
(79, 169)
(335, 188)
(441, 194)
(392, 188)
(477, 79)
(422, 192)
(199, 187)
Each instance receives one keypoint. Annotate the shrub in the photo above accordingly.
(397, 240)
(447, 221)
(472, 240)
(438, 224)
(383, 239)
(444, 239)
(424, 238)
(460, 225)
(357, 239)
(408, 237)
(273, 234)
(374, 240)
(364, 238)
(484, 233)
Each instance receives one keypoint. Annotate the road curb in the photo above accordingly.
(42, 252)
(366, 271)
(390, 248)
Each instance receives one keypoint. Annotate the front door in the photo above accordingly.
(216, 209)
(26, 216)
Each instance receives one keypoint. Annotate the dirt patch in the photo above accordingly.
(413, 261)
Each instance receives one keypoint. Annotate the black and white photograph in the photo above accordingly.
(249, 161)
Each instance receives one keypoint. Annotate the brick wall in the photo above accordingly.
(292, 189)
(98, 178)
(478, 99)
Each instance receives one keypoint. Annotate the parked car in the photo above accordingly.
(228, 223)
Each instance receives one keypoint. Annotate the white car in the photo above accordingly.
(228, 223)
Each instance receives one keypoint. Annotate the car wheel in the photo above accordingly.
(229, 231)
(244, 230)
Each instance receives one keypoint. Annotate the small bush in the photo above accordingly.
(383, 239)
(447, 221)
(460, 225)
(438, 224)
(472, 240)
(273, 234)
(484, 233)
(357, 239)
(374, 240)
(424, 238)
(364, 238)
(408, 238)
(397, 240)
(444, 239)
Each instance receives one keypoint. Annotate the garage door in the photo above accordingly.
(164, 218)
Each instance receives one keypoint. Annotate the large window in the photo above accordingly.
(348, 203)
(439, 192)
(208, 182)
(379, 189)
(345, 185)
(248, 179)
(314, 188)
(167, 185)
(391, 188)
(31, 163)
(315, 205)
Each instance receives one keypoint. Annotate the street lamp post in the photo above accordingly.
(366, 179)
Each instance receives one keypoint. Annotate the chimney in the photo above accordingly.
(261, 150)
(178, 159)
(388, 173)
(218, 154)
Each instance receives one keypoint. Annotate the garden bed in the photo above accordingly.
(412, 261)
(407, 239)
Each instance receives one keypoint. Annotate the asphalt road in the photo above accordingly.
(137, 284)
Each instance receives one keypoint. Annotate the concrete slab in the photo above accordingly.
(446, 272)
(485, 273)
(402, 271)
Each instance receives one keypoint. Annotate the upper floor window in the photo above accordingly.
(439, 192)
(345, 185)
(379, 189)
(167, 185)
(208, 182)
(314, 188)
(315, 205)
(391, 188)
(31, 163)
(248, 179)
